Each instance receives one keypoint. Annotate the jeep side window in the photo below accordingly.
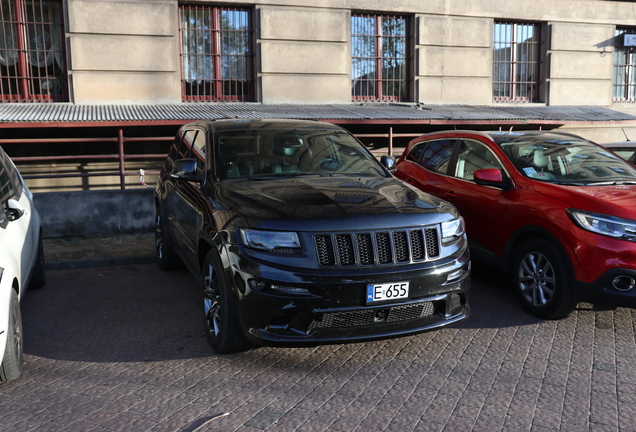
(198, 151)
(185, 145)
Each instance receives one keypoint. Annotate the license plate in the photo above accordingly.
(387, 291)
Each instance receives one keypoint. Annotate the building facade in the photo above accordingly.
(165, 55)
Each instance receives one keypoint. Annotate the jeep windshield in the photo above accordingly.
(266, 153)
(567, 161)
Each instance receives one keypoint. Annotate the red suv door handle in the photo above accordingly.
(450, 194)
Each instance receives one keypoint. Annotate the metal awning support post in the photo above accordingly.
(122, 166)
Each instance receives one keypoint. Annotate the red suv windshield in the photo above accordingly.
(565, 161)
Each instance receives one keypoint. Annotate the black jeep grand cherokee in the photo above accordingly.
(301, 237)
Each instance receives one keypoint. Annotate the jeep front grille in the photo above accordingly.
(385, 247)
(366, 317)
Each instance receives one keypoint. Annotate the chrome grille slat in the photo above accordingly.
(382, 247)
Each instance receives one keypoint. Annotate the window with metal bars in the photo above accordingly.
(217, 55)
(624, 80)
(517, 62)
(380, 57)
(32, 55)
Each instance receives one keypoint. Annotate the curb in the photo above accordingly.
(99, 262)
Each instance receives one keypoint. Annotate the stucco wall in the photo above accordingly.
(580, 64)
(304, 55)
(127, 51)
(123, 51)
(454, 60)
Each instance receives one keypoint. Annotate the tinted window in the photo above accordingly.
(416, 152)
(6, 187)
(437, 155)
(186, 144)
(291, 152)
(198, 151)
(10, 181)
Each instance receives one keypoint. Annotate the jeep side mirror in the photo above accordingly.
(389, 163)
(186, 169)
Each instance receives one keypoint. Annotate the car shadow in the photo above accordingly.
(142, 314)
(494, 303)
(115, 314)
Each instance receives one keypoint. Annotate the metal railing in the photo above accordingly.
(121, 156)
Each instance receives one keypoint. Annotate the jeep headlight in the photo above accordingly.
(624, 229)
(452, 230)
(269, 240)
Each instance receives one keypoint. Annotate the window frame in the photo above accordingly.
(28, 76)
(532, 89)
(216, 83)
(628, 83)
(377, 82)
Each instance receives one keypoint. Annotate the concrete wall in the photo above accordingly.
(95, 213)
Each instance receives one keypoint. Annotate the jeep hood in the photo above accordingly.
(332, 200)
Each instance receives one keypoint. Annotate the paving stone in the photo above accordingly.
(124, 350)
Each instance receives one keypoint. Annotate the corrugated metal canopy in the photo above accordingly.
(72, 114)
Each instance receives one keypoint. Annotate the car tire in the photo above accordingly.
(221, 325)
(167, 258)
(543, 281)
(12, 360)
(38, 278)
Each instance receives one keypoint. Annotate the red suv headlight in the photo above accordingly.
(624, 229)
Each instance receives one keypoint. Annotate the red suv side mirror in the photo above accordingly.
(491, 177)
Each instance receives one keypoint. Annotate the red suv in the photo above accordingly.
(554, 209)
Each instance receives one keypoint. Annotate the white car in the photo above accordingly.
(625, 149)
(21, 262)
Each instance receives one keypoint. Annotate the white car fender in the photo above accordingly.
(6, 286)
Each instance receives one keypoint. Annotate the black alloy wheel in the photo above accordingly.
(543, 281)
(221, 327)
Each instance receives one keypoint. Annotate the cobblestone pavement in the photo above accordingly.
(122, 348)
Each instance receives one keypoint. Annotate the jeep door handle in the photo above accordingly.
(450, 194)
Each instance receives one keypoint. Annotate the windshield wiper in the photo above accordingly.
(570, 183)
(612, 183)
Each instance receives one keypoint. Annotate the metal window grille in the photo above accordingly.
(380, 62)
(624, 80)
(217, 55)
(32, 56)
(517, 60)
